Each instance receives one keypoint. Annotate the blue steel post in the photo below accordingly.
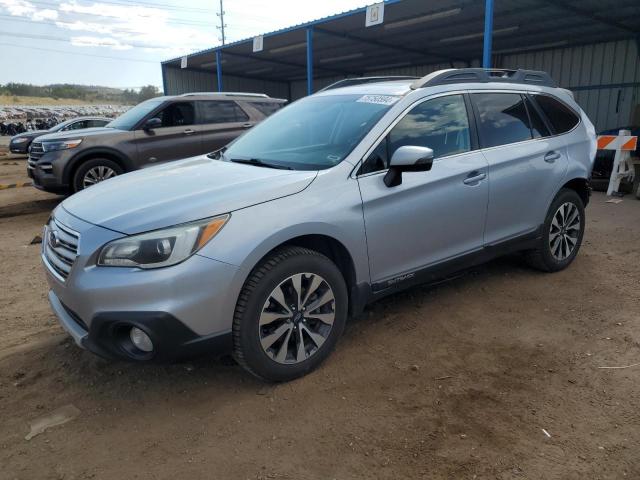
(488, 33)
(219, 69)
(164, 81)
(309, 60)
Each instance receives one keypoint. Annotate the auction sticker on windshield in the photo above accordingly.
(378, 99)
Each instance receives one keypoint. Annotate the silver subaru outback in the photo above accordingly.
(263, 249)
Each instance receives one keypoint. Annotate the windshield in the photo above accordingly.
(313, 133)
(131, 117)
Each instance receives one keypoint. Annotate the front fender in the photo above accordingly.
(257, 250)
(330, 207)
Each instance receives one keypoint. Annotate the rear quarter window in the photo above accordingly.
(266, 108)
(561, 117)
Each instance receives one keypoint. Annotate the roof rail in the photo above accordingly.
(484, 75)
(229, 94)
(347, 82)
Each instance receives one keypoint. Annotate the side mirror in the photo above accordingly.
(152, 124)
(409, 158)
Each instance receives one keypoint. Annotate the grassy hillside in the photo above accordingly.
(20, 100)
(70, 94)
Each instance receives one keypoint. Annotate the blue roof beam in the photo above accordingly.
(219, 69)
(488, 34)
(309, 60)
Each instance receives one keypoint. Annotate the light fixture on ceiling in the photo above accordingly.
(288, 48)
(211, 64)
(390, 65)
(341, 58)
(423, 18)
(471, 36)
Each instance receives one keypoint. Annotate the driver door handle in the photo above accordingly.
(551, 157)
(189, 132)
(474, 177)
(247, 125)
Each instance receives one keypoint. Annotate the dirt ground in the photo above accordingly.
(456, 381)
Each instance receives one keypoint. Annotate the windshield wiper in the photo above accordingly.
(259, 163)
(217, 154)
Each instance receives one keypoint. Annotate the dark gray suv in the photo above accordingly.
(155, 131)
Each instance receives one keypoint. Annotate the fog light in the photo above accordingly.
(141, 340)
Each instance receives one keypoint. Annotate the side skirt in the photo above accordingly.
(364, 294)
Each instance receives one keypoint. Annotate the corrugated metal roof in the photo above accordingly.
(419, 32)
(318, 21)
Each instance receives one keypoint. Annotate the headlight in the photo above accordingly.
(161, 248)
(20, 140)
(60, 145)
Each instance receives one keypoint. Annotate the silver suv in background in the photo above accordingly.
(264, 248)
(155, 131)
(20, 143)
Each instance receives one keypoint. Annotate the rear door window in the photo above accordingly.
(77, 125)
(502, 118)
(561, 117)
(223, 111)
(97, 123)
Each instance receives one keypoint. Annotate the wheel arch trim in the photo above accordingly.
(323, 238)
(95, 152)
(581, 186)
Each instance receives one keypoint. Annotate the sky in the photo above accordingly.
(120, 43)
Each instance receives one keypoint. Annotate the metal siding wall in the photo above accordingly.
(299, 87)
(591, 67)
(583, 66)
(185, 80)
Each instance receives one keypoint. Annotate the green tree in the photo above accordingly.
(147, 92)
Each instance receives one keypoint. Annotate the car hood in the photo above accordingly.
(81, 133)
(29, 134)
(182, 191)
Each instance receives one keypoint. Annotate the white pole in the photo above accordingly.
(614, 180)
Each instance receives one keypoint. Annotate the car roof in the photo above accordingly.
(382, 87)
(444, 80)
(88, 118)
(244, 96)
(69, 121)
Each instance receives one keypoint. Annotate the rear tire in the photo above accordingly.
(95, 171)
(289, 315)
(562, 233)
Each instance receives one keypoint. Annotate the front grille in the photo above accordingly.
(36, 151)
(60, 248)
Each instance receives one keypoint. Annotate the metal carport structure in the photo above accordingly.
(589, 46)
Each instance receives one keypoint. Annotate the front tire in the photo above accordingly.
(562, 234)
(95, 171)
(289, 315)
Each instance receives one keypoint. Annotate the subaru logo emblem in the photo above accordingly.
(53, 239)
